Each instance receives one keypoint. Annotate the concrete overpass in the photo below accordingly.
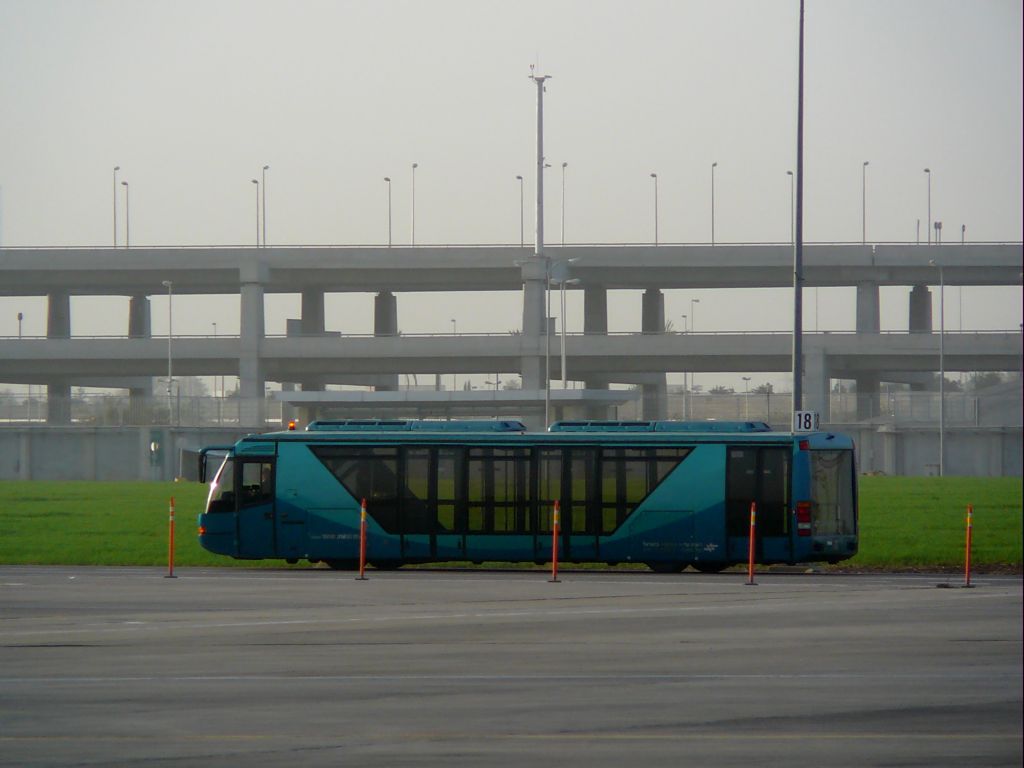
(314, 358)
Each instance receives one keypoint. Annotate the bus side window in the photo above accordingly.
(257, 482)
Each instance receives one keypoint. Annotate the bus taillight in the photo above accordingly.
(202, 530)
(803, 518)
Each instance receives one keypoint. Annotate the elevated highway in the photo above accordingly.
(313, 358)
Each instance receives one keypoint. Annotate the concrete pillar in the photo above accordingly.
(310, 324)
(532, 359)
(58, 326)
(816, 382)
(920, 320)
(655, 395)
(595, 322)
(385, 323)
(920, 309)
(250, 366)
(868, 322)
(139, 327)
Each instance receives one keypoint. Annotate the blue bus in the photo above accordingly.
(666, 494)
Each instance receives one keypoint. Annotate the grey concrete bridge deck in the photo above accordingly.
(109, 271)
(337, 357)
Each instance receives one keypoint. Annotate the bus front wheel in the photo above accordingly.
(669, 567)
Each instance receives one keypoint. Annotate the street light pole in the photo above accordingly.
(655, 177)
(571, 281)
(116, 169)
(693, 327)
(388, 180)
(412, 237)
(265, 169)
(538, 246)
(928, 225)
(864, 203)
(127, 218)
(746, 397)
(713, 166)
(257, 183)
(170, 335)
(522, 231)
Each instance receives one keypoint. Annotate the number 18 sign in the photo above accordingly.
(806, 421)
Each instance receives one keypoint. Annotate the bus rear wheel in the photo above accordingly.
(342, 565)
(669, 567)
(711, 567)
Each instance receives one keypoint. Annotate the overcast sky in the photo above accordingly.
(192, 98)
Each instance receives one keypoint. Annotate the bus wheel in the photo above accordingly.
(387, 565)
(669, 567)
(711, 566)
(342, 565)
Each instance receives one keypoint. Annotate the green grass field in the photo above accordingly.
(905, 522)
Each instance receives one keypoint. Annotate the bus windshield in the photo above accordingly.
(833, 505)
(222, 489)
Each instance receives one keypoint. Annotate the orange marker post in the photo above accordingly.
(362, 543)
(751, 548)
(554, 542)
(170, 543)
(967, 554)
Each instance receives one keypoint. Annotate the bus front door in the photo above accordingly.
(256, 509)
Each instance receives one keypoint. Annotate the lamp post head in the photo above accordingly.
(654, 175)
(789, 173)
(266, 167)
(519, 177)
(714, 164)
(387, 179)
(928, 170)
(167, 284)
(124, 183)
(255, 181)
(867, 163)
(415, 166)
(117, 167)
(564, 164)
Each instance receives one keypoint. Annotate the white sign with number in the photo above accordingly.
(806, 421)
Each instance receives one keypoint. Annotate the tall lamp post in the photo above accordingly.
(928, 224)
(127, 218)
(942, 367)
(713, 166)
(412, 236)
(388, 180)
(116, 169)
(265, 169)
(522, 218)
(746, 397)
(170, 335)
(257, 183)
(538, 246)
(864, 202)
(655, 177)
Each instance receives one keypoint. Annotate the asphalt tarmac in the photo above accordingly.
(230, 667)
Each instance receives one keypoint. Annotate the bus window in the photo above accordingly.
(832, 503)
(497, 493)
(222, 489)
(257, 482)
